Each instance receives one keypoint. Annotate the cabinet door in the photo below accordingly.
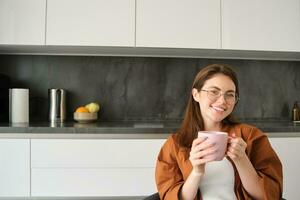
(94, 153)
(98, 167)
(288, 151)
(180, 24)
(14, 167)
(22, 22)
(91, 22)
(93, 182)
(261, 25)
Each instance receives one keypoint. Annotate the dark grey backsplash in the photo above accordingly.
(135, 88)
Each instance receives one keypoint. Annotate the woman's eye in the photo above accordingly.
(214, 92)
(230, 95)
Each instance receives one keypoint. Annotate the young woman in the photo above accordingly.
(251, 168)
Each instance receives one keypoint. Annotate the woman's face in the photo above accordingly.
(216, 98)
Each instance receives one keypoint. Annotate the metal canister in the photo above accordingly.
(57, 105)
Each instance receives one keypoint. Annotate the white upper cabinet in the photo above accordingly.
(22, 22)
(90, 22)
(178, 24)
(271, 25)
(14, 168)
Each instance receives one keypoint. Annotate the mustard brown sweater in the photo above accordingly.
(173, 165)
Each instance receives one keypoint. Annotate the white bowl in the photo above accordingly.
(85, 117)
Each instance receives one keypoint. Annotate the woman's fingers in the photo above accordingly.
(204, 145)
(205, 153)
(201, 147)
(236, 148)
(238, 141)
(203, 161)
(231, 155)
(198, 141)
(203, 156)
(196, 146)
(201, 151)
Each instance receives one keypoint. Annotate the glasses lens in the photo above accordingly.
(213, 94)
(230, 97)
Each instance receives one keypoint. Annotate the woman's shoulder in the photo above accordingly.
(247, 131)
(172, 144)
(172, 141)
(170, 150)
(245, 127)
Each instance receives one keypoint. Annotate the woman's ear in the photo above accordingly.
(195, 94)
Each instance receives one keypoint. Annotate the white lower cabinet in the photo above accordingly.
(14, 167)
(93, 182)
(102, 167)
(97, 167)
(288, 151)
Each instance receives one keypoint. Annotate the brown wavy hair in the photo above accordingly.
(193, 121)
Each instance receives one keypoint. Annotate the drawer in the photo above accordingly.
(93, 182)
(81, 153)
(14, 168)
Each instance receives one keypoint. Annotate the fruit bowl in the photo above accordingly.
(85, 117)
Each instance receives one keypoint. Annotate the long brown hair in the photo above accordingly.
(193, 121)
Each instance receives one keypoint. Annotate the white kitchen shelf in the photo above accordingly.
(147, 52)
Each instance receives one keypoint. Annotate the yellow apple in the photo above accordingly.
(93, 107)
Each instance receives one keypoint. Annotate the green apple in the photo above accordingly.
(93, 107)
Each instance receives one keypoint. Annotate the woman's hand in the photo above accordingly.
(248, 174)
(199, 155)
(236, 148)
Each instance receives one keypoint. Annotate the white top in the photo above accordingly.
(218, 181)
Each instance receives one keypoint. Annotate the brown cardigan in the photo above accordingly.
(173, 165)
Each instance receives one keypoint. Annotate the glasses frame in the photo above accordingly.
(237, 98)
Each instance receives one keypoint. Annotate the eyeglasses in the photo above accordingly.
(214, 95)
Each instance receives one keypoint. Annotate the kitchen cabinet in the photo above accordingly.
(14, 167)
(288, 151)
(22, 22)
(178, 24)
(94, 167)
(267, 25)
(91, 23)
(258, 29)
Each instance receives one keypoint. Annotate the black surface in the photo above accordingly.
(4, 98)
(139, 88)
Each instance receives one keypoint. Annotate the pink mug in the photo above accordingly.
(218, 138)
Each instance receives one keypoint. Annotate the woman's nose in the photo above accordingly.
(222, 99)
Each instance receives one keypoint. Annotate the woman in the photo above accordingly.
(251, 169)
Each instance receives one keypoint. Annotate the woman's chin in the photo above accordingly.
(218, 118)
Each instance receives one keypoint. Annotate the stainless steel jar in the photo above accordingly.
(57, 105)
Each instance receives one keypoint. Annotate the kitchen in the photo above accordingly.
(138, 64)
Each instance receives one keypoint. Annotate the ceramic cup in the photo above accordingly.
(218, 138)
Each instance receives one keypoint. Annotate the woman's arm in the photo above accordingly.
(248, 175)
(249, 178)
(259, 168)
(168, 176)
(191, 185)
(200, 148)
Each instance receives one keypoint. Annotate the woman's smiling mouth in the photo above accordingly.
(219, 109)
